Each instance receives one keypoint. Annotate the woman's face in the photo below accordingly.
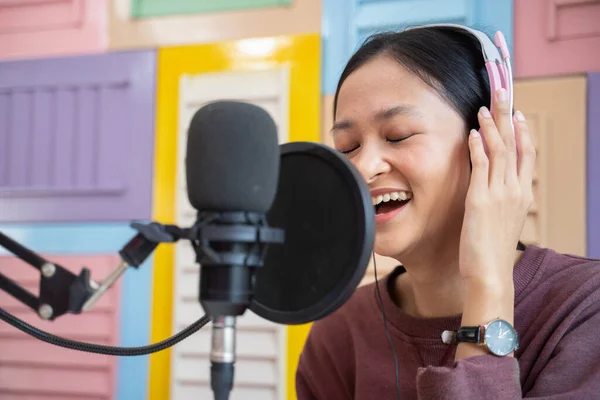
(407, 143)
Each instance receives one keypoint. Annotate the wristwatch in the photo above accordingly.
(498, 336)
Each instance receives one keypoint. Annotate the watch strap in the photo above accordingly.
(468, 334)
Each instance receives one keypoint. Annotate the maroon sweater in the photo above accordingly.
(557, 315)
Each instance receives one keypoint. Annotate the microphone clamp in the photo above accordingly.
(210, 229)
(215, 234)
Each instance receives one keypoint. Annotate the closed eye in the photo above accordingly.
(348, 151)
(400, 139)
(389, 140)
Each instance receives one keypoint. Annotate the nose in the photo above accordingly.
(371, 163)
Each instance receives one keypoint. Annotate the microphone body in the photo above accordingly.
(229, 246)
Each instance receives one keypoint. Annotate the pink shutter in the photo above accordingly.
(41, 28)
(556, 37)
(31, 369)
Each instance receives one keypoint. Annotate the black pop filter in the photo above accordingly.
(325, 208)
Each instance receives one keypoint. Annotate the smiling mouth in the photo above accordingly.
(390, 201)
(392, 205)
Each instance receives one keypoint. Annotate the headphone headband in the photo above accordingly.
(495, 55)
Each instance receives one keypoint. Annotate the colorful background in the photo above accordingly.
(95, 99)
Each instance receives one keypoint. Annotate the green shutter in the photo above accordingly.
(155, 8)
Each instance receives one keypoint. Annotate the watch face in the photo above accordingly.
(501, 338)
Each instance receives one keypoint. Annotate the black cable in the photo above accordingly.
(97, 348)
(387, 332)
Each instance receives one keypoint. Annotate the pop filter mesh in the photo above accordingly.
(328, 238)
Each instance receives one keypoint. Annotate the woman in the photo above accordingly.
(407, 112)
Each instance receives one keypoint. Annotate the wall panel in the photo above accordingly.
(346, 24)
(556, 37)
(77, 138)
(558, 124)
(42, 28)
(301, 54)
(299, 17)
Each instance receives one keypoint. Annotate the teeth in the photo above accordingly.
(402, 195)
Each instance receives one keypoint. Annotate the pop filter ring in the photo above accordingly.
(360, 197)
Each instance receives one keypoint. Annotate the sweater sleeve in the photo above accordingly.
(479, 377)
(570, 370)
(325, 369)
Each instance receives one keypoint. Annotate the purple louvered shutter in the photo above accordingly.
(77, 138)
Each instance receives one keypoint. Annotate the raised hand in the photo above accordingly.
(497, 202)
(499, 196)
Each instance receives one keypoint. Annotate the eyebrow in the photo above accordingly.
(388, 113)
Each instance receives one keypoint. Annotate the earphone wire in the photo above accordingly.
(387, 332)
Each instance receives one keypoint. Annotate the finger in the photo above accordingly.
(504, 124)
(526, 151)
(480, 163)
(496, 148)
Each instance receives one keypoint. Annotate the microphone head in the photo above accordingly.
(232, 158)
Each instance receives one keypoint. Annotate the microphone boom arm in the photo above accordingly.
(61, 291)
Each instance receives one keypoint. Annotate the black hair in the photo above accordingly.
(449, 61)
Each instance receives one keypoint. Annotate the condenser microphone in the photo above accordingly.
(241, 181)
(232, 170)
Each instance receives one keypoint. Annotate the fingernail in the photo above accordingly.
(485, 112)
(474, 133)
(502, 95)
(519, 116)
